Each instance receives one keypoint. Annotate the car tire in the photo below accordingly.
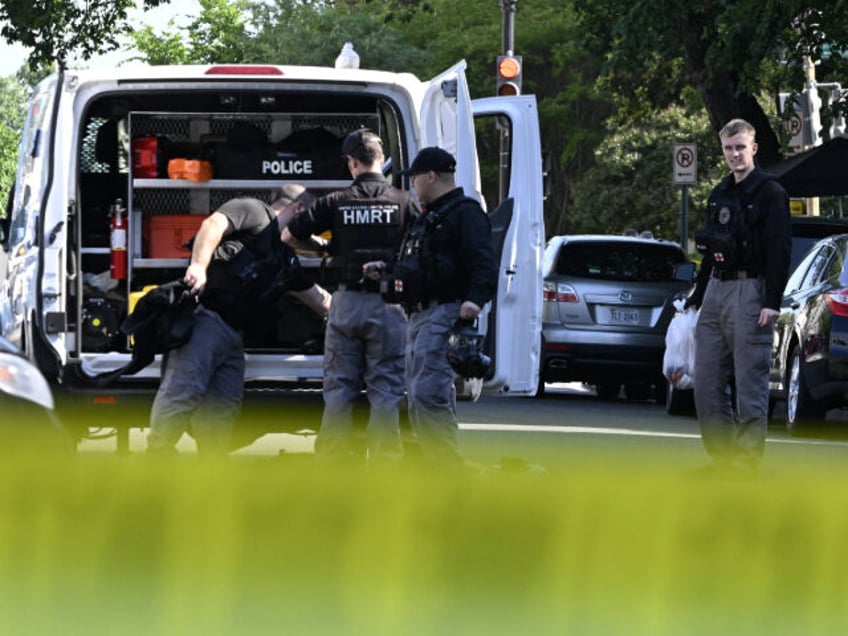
(540, 388)
(801, 409)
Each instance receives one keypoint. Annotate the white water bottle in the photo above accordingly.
(348, 58)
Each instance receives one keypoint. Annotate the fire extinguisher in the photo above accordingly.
(118, 240)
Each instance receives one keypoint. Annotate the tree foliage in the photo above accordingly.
(730, 52)
(56, 29)
(13, 95)
(617, 81)
(218, 34)
(630, 184)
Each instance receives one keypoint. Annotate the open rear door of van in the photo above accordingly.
(447, 121)
(513, 321)
(515, 206)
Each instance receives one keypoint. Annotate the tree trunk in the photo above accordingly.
(724, 102)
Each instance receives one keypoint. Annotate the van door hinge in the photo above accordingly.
(51, 238)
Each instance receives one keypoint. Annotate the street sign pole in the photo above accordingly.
(685, 173)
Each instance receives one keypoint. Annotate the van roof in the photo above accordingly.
(139, 72)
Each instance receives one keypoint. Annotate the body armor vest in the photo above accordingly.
(730, 230)
(366, 230)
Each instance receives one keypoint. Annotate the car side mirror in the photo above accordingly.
(685, 271)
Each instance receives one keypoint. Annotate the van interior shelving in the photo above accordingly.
(254, 141)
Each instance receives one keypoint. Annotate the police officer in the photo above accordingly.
(238, 266)
(364, 340)
(448, 260)
(746, 244)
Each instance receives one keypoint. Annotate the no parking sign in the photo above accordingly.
(685, 164)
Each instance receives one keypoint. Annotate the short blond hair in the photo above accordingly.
(736, 126)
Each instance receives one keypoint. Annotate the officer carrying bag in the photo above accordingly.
(163, 319)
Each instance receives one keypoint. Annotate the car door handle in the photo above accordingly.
(795, 305)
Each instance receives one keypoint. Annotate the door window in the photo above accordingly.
(494, 150)
(32, 177)
(818, 265)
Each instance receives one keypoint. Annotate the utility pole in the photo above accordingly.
(508, 8)
(508, 46)
(813, 123)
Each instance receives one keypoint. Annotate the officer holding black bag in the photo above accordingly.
(239, 266)
(364, 339)
(746, 245)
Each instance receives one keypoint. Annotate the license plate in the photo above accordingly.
(619, 316)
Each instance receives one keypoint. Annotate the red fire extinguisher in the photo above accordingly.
(118, 240)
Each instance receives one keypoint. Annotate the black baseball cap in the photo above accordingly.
(358, 138)
(432, 158)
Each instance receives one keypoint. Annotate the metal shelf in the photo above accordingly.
(150, 263)
(236, 184)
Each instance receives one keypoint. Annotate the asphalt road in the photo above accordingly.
(568, 427)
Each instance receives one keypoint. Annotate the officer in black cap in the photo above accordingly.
(364, 340)
(446, 271)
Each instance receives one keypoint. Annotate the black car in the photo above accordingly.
(809, 363)
(806, 230)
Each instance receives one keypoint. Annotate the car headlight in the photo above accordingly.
(18, 377)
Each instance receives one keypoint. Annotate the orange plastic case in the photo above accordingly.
(164, 236)
(191, 169)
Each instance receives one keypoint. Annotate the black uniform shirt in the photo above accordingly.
(464, 236)
(368, 220)
(771, 231)
(254, 229)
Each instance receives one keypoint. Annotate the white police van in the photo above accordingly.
(94, 218)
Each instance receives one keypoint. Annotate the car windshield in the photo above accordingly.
(643, 262)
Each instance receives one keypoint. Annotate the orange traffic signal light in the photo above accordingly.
(508, 70)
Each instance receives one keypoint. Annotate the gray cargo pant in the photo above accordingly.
(202, 386)
(363, 349)
(430, 383)
(729, 344)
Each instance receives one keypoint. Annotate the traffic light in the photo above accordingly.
(508, 70)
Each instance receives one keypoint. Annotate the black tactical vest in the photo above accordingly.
(731, 231)
(365, 230)
(427, 265)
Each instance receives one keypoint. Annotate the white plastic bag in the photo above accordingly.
(679, 357)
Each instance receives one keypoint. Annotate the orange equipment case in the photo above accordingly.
(165, 235)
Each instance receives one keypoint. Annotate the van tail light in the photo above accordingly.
(559, 293)
(837, 301)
